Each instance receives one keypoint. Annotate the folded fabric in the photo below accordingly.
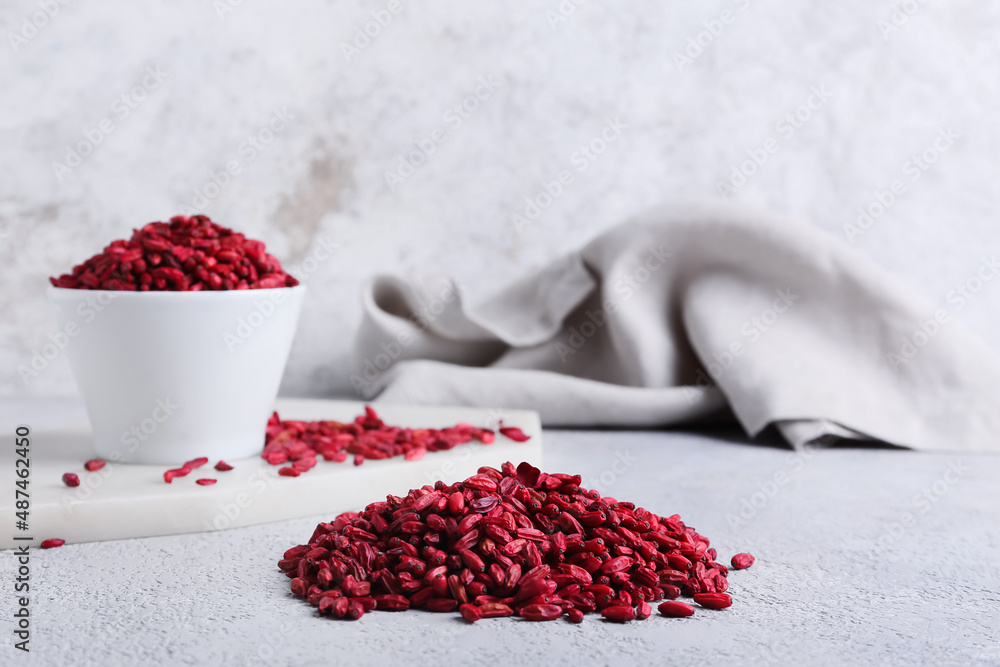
(691, 313)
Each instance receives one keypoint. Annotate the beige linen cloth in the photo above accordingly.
(692, 313)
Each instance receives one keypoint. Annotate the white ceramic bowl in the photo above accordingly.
(171, 376)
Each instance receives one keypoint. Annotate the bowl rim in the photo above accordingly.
(168, 294)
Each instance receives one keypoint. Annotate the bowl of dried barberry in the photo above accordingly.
(177, 338)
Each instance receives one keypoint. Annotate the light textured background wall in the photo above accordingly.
(687, 128)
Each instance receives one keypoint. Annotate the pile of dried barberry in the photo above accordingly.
(507, 542)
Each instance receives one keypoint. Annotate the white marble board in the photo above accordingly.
(128, 500)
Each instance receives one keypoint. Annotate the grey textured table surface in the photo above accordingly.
(843, 575)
